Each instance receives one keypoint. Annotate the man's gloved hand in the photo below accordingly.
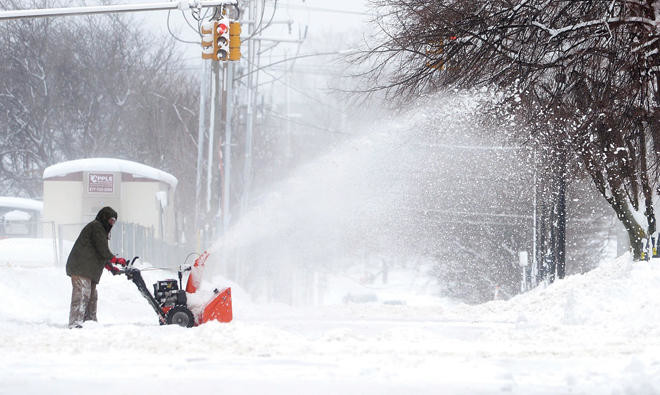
(112, 269)
(118, 261)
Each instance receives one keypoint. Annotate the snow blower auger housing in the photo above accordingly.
(170, 301)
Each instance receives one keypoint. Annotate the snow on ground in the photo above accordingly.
(597, 333)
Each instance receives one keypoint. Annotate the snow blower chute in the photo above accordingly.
(170, 301)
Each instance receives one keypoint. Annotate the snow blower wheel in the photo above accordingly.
(180, 315)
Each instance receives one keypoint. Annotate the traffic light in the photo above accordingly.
(234, 41)
(207, 40)
(435, 51)
(221, 39)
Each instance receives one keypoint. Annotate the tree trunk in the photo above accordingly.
(636, 233)
(647, 190)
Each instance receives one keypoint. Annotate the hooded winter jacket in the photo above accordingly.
(90, 252)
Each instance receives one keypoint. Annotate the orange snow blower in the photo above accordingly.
(170, 301)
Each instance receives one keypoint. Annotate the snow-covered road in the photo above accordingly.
(601, 336)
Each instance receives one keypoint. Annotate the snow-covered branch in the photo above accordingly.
(554, 32)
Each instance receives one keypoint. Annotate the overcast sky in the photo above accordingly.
(319, 15)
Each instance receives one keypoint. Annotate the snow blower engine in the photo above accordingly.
(170, 300)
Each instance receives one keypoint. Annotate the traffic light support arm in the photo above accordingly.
(105, 9)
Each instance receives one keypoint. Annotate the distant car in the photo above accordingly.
(395, 302)
(360, 298)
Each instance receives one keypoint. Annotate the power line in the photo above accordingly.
(169, 29)
(321, 9)
(300, 91)
(297, 57)
(283, 117)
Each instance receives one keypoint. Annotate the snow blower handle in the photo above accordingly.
(112, 269)
(128, 264)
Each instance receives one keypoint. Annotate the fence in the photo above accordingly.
(129, 240)
(9, 229)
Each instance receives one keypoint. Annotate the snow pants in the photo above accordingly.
(83, 301)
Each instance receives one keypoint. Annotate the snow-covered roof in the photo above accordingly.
(109, 164)
(21, 203)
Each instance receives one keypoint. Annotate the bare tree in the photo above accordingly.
(584, 72)
(91, 86)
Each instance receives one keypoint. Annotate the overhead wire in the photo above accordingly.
(291, 59)
(185, 18)
(259, 29)
(270, 21)
(195, 13)
(280, 116)
(301, 92)
(261, 20)
(322, 9)
(269, 48)
(169, 29)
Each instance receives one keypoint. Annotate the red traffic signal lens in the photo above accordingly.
(222, 28)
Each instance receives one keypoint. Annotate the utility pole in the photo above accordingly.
(220, 43)
(200, 139)
(535, 262)
(250, 98)
(229, 80)
(209, 163)
(288, 149)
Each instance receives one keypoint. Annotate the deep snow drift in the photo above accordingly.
(595, 333)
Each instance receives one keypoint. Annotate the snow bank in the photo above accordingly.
(618, 295)
(28, 252)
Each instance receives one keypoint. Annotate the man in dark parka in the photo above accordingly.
(88, 257)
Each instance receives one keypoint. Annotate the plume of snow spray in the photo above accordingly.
(353, 205)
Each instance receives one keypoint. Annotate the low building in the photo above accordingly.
(19, 217)
(75, 191)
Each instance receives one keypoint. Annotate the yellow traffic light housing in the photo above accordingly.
(207, 29)
(234, 41)
(221, 39)
(434, 52)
